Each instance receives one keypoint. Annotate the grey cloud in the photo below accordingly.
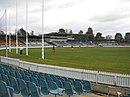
(37, 10)
(125, 1)
(47, 1)
(6, 3)
(70, 4)
(111, 28)
(49, 6)
(110, 17)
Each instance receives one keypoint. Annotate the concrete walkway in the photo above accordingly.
(75, 95)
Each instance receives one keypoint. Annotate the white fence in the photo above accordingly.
(94, 76)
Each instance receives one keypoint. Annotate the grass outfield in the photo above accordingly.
(108, 59)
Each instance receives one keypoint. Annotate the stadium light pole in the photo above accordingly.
(43, 55)
(16, 30)
(26, 27)
(6, 31)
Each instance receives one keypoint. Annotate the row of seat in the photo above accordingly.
(24, 80)
(127, 95)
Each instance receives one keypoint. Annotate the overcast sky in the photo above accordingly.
(105, 16)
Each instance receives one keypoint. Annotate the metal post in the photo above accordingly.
(9, 42)
(26, 27)
(6, 32)
(9, 35)
(16, 30)
(43, 56)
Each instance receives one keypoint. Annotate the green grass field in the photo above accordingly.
(108, 59)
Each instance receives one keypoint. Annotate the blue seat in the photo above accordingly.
(23, 88)
(5, 90)
(71, 81)
(34, 80)
(65, 78)
(22, 73)
(125, 96)
(87, 86)
(0, 77)
(26, 78)
(47, 76)
(12, 74)
(7, 73)
(68, 89)
(43, 85)
(53, 77)
(2, 71)
(49, 79)
(59, 83)
(78, 87)
(6, 79)
(35, 91)
(14, 84)
(53, 88)
(18, 75)
(61, 79)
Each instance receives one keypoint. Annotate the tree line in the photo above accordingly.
(83, 36)
(98, 37)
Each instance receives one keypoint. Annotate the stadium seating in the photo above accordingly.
(14, 84)
(23, 88)
(34, 90)
(53, 88)
(2, 42)
(44, 88)
(78, 87)
(23, 81)
(127, 95)
(68, 89)
(87, 86)
(13, 42)
(5, 90)
(5, 79)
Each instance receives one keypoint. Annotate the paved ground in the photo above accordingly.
(75, 95)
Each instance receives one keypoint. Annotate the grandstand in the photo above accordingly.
(2, 42)
(33, 41)
(27, 82)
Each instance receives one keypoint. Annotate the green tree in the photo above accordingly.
(108, 37)
(61, 30)
(90, 35)
(32, 32)
(118, 37)
(98, 36)
(2, 32)
(70, 32)
(81, 32)
(127, 37)
(90, 31)
(22, 32)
